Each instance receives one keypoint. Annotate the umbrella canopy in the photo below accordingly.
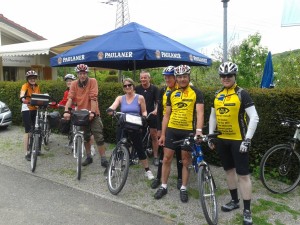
(131, 47)
(267, 78)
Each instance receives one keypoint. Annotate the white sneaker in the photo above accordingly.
(93, 150)
(149, 175)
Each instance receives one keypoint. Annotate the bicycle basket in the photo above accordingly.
(80, 118)
(54, 119)
(39, 99)
(64, 126)
(131, 122)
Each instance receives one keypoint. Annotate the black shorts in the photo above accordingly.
(175, 135)
(28, 118)
(229, 151)
(152, 121)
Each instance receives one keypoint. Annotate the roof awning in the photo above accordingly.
(43, 47)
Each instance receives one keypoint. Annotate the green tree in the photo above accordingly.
(250, 57)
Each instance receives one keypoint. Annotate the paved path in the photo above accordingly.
(57, 166)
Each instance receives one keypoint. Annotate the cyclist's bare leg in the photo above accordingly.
(25, 142)
(87, 146)
(231, 179)
(101, 150)
(145, 163)
(166, 166)
(245, 186)
(154, 137)
(186, 161)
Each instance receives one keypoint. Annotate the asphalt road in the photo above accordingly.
(29, 199)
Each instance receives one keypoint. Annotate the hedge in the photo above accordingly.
(267, 102)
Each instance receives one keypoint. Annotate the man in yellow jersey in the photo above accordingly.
(234, 114)
(183, 105)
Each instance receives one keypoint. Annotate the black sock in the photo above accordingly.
(146, 169)
(234, 195)
(247, 204)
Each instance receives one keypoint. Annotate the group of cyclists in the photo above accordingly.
(178, 111)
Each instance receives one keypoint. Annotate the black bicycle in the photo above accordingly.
(41, 131)
(280, 165)
(147, 141)
(206, 183)
(123, 154)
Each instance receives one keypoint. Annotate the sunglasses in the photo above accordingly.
(227, 76)
(127, 85)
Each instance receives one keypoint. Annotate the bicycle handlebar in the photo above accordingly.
(193, 138)
(288, 122)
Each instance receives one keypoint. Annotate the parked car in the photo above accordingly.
(5, 115)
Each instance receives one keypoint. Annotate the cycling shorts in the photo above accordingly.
(172, 135)
(229, 152)
(152, 121)
(28, 119)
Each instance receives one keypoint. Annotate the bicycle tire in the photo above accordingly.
(118, 169)
(78, 148)
(35, 148)
(147, 145)
(207, 195)
(280, 169)
(46, 134)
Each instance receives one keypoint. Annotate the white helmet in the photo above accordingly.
(228, 68)
(182, 69)
(81, 68)
(69, 76)
(168, 70)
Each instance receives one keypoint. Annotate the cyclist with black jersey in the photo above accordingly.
(150, 93)
(228, 115)
(171, 85)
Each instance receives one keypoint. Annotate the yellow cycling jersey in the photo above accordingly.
(230, 107)
(183, 104)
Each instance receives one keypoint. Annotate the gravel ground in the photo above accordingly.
(55, 165)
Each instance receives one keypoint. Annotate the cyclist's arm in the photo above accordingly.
(200, 118)
(254, 119)
(143, 105)
(212, 121)
(115, 104)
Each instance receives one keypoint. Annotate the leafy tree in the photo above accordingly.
(250, 57)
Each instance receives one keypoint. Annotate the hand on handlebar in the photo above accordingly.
(25, 101)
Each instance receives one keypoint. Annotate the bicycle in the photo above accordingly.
(41, 131)
(206, 183)
(123, 154)
(147, 141)
(79, 119)
(280, 165)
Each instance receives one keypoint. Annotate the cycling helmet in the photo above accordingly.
(81, 68)
(181, 70)
(69, 76)
(228, 68)
(31, 73)
(168, 70)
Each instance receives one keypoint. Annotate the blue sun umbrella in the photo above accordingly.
(131, 47)
(268, 75)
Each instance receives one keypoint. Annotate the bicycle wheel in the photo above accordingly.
(46, 134)
(78, 150)
(280, 169)
(147, 145)
(118, 169)
(207, 195)
(35, 148)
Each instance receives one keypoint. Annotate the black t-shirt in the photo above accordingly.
(150, 94)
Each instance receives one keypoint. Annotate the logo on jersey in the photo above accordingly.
(221, 97)
(181, 105)
(223, 110)
(177, 94)
(168, 92)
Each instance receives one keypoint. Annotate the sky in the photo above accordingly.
(197, 24)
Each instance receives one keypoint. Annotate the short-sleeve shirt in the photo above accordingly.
(183, 104)
(29, 90)
(150, 94)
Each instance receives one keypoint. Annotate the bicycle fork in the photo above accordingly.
(78, 135)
